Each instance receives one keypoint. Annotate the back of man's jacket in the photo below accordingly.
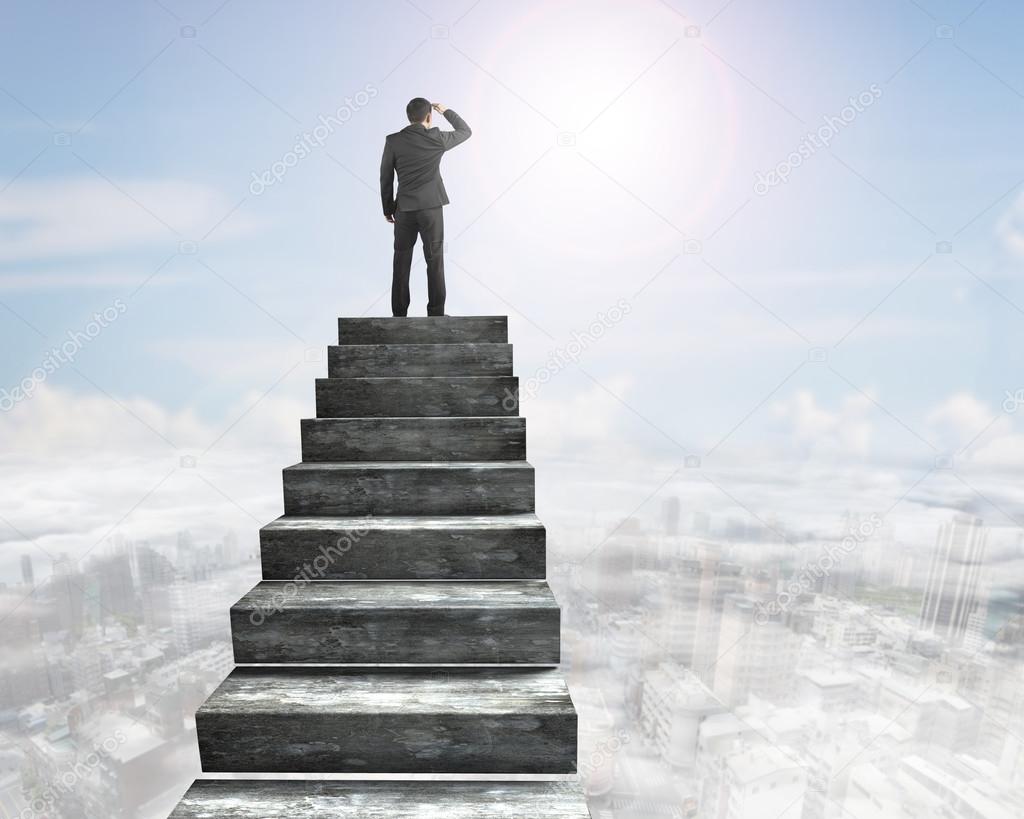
(415, 153)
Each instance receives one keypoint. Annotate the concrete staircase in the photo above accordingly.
(403, 625)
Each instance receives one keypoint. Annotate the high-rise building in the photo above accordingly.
(951, 592)
(675, 703)
(65, 590)
(671, 509)
(688, 610)
(197, 615)
(28, 575)
(757, 653)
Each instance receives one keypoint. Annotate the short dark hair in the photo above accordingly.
(417, 109)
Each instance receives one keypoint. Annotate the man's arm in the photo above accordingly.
(461, 133)
(387, 182)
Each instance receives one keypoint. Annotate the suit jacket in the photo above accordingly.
(415, 153)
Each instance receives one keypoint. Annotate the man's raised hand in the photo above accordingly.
(438, 107)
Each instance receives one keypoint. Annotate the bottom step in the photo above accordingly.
(266, 799)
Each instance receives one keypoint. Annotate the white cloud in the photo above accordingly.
(818, 431)
(105, 279)
(957, 420)
(563, 424)
(1005, 451)
(237, 359)
(87, 468)
(1011, 227)
(55, 421)
(41, 219)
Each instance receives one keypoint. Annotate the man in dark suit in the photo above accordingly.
(415, 153)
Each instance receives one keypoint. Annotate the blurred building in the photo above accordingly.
(671, 510)
(675, 703)
(28, 575)
(757, 653)
(951, 592)
(686, 612)
(196, 614)
(599, 742)
(753, 781)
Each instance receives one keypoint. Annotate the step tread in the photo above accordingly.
(467, 547)
(432, 378)
(325, 691)
(398, 594)
(526, 520)
(348, 488)
(423, 329)
(421, 350)
(404, 623)
(393, 466)
(424, 360)
(415, 421)
(477, 396)
(260, 799)
(451, 438)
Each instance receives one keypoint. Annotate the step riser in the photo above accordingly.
(419, 360)
(410, 491)
(414, 636)
(413, 439)
(412, 553)
(420, 330)
(261, 799)
(417, 397)
(388, 743)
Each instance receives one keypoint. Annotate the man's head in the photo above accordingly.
(418, 110)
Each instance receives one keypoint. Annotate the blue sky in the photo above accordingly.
(125, 140)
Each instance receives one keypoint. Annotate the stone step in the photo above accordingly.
(424, 330)
(340, 720)
(412, 360)
(416, 439)
(283, 799)
(409, 488)
(410, 622)
(404, 548)
(417, 397)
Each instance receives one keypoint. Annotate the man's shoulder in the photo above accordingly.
(406, 137)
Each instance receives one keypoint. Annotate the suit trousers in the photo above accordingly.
(428, 224)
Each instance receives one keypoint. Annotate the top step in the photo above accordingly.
(424, 330)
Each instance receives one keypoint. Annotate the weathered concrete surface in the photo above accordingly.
(417, 397)
(399, 360)
(261, 799)
(415, 477)
(413, 439)
(447, 720)
(397, 622)
(414, 548)
(424, 330)
(409, 488)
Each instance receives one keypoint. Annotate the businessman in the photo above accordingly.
(415, 154)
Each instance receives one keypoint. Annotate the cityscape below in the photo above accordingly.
(717, 673)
